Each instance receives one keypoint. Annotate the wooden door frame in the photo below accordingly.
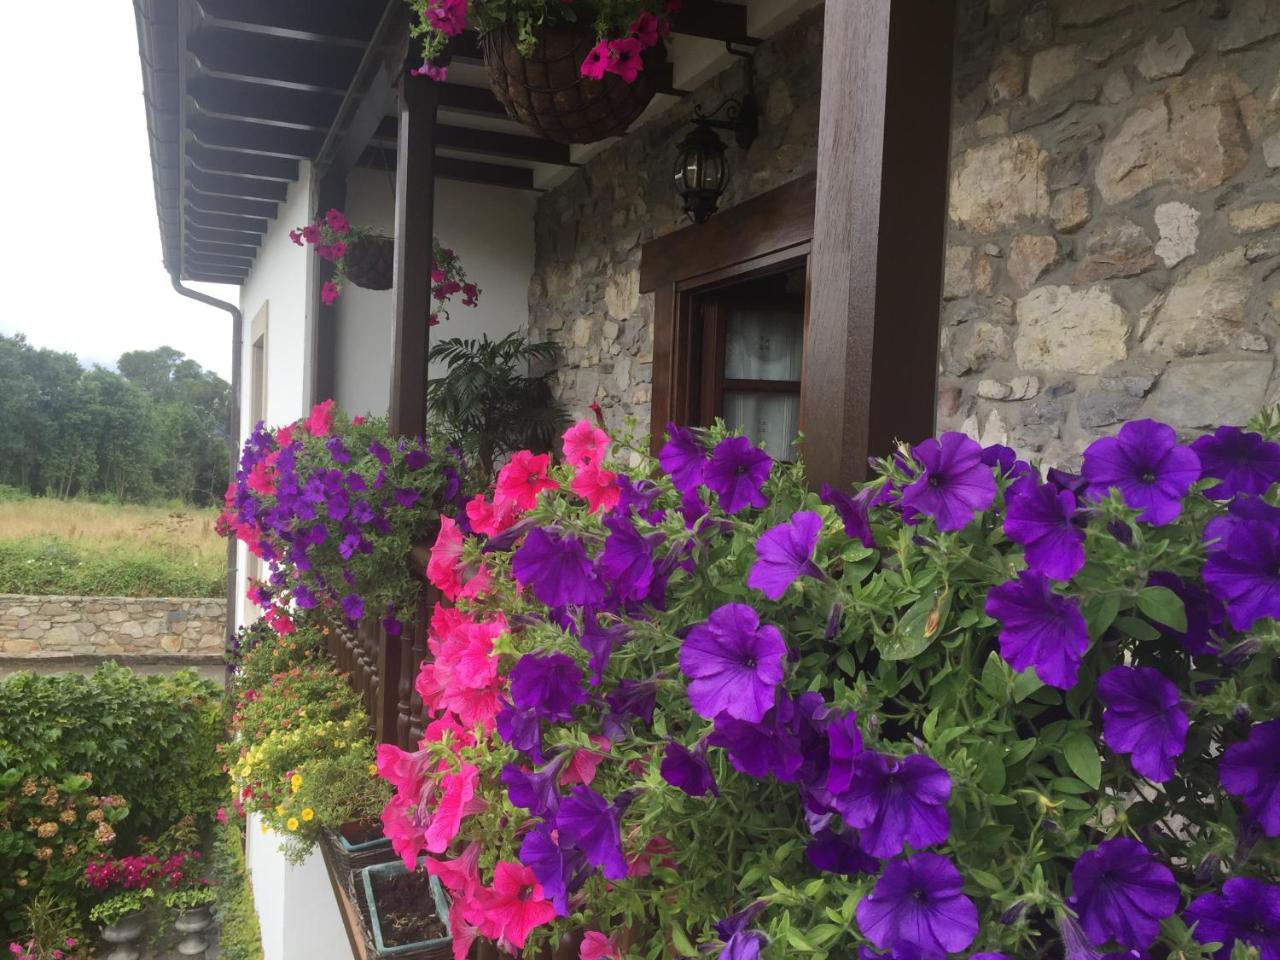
(753, 238)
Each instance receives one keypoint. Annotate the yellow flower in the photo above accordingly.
(292, 823)
(280, 810)
(263, 827)
(295, 782)
(308, 814)
(373, 769)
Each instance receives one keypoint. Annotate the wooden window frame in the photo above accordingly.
(757, 236)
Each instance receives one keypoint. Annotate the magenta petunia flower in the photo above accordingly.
(896, 802)
(557, 569)
(1243, 568)
(683, 458)
(784, 554)
(1247, 910)
(688, 769)
(918, 907)
(954, 484)
(1121, 893)
(1145, 462)
(593, 825)
(1243, 462)
(1039, 629)
(549, 685)
(1250, 770)
(1045, 521)
(1143, 718)
(853, 511)
(734, 663)
(737, 473)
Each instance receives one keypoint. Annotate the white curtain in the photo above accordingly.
(764, 343)
(771, 420)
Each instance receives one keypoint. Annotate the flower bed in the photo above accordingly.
(967, 708)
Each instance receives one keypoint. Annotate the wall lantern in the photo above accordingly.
(702, 169)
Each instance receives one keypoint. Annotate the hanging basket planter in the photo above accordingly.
(370, 262)
(547, 93)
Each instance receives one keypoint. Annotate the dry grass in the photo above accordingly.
(76, 547)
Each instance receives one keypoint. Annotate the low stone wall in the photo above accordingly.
(65, 627)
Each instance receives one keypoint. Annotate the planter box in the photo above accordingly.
(440, 948)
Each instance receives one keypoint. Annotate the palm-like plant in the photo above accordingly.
(490, 402)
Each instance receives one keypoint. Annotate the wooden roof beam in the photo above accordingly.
(240, 238)
(225, 221)
(212, 160)
(339, 22)
(242, 206)
(512, 146)
(453, 168)
(199, 247)
(240, 100)
(257, 138)
(220, 184)
(222, 259)
(714, 20)
(272, 61)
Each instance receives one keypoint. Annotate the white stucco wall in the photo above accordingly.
(491, 229)
(297, 912)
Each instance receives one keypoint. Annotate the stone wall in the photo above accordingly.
(584, 293)
(65, 627)
(1114, 237)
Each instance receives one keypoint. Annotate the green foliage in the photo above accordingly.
(53, 565)
(53, 929)
(155, 430)
(114, 909)
(150, 739)
(238, 934)
(489, 404)
(188, 898)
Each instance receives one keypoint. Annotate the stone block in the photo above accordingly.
(998, 183)
(1030, 258)
(1099, 408)
(1179, 228)
(987, 344)
(958, 274)
(1271, 150)
(1251, 23)
(1069, 210)
(1073, 331)
(1167, 57)
(1116, 248)
(1204, 311)
(1052, 68)
(1202, 393)
(1253, 217)
(1087, 13)
(1008, 77)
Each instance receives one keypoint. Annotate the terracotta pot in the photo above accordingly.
(547, 92)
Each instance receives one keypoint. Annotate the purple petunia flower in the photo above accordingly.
(1246, 910)
(1243, 568)
(1006, 460)
(683, 458)
(1045, 521)
(416, 459)
(338, 450)
(1243, 461)
(735, 664)
(1143, 718)
(593, 825)
(853, 511)
(688, 769)
(1250, 770)
(1204, 614)
(745, 945)
(1039, 629)
(627, 558)
(600, 641)
(844, 745)
(380, 453)
(954, 483)
(523, 730)
(535, 790)
(560, 870)
(353, 606)
(785, 553)
(896, 802)
(630, 699)
(737, 473)
(549, 684)
(1121, 893)
(918, 904)
(406, 497)
(839, 853)
(767, 748)
(557, 568)
(1145, 462)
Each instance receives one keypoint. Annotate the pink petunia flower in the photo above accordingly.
(448, 16)
(457, 801)
(585, 444)
(597, 946)
(647, 29)
(596, 64)
(625, 58)
(329, 293)
(337, 221)
(488, 518)
(598, 487)
(581, 767)
(320, 421)
(521, 480)
(514, 907)
(446, 571)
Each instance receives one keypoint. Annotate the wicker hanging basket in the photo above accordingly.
(547, 93)
(370, 262)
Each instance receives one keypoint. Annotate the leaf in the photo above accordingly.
(991, 772)
(988, 880)
(916, 629)
(1138, 629)
(1081, 754)
(681, 941)
(1100, 612)
(1025, 684)
(994, 681)
(1163, 606)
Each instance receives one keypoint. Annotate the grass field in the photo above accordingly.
(77, 547)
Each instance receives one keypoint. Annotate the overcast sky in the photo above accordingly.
(78, 234)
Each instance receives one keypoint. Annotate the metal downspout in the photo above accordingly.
(233, 424)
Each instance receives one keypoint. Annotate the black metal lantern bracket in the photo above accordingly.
(741, 115)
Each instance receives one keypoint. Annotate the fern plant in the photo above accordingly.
(491, 401)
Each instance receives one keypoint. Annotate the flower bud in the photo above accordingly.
(834, 619)
(1013, 914)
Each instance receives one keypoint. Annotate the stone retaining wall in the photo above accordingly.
(61, 627)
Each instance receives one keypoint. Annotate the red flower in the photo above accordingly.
(329, 293)
(521, 480)
(337, 221)
(625, 59)
(597, 61)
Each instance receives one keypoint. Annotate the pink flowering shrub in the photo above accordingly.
(691, 707)
(333, 236)
(626, 28)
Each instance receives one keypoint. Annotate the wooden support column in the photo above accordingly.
(879, 232)
(330, 192)
(415, 196)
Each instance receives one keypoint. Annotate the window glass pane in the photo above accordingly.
(764, 328)
(771, 420)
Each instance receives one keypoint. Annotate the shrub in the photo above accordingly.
(238, 934)
(51, 565)
(151, 739)
(965, 708)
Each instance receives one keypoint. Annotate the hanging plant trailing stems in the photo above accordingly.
(364, 257)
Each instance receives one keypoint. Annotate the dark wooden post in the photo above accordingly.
(329, 193)
(415, 196)
(879, 231)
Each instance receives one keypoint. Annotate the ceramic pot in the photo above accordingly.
(193, 922)
(123, 936)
